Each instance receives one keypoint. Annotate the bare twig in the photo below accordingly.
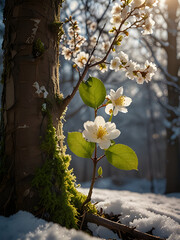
(119, 227)
(164, 71)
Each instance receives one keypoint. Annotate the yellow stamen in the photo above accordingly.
(82, 60)
(101, 132)
(120, 101)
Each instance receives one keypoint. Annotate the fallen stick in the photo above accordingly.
(119, 227)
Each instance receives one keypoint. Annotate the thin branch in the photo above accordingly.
(100, 158)
(117, 33)
(166, 106)
(164, 71)
(102, 16)
(119, 227)
(164, 45)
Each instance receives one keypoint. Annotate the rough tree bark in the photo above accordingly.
(30, 55)
(173, 145)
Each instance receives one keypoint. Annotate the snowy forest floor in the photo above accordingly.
(148, 212)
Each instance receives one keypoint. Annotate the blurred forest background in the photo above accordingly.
(152, 125)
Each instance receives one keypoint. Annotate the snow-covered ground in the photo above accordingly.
(145, 211)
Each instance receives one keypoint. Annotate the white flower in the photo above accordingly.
(81, 59)
(93, 41)
(80, 40)
(123, 57)
(102, 67)
(100, 132)
(148, 77)
(150, 69)
(116, 10)
(137, 3)
(150, 3)
(119, 102)
(139, 78)
(106, 46)
(131, 67)
(114, 64)
(150, 66)
(116, 20)
(125, 12)
(137, 13)
(67, 53)
(148, 24)
(71, 32)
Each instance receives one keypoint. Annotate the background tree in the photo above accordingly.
(164, 47)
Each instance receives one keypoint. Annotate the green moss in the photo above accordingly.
(59, 199)
(59, 2)
(38, 48)
(57, 28)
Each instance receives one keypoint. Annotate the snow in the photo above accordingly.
(24, 226)
(145, 211)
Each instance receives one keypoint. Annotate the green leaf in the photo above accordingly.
(79, 146)
(122, 157)
(92, 92)
(100, 171)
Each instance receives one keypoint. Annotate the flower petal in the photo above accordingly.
(123, 109)
(127, 101)
(115, 112)
(88, 136)
(109, 109)
(119, 92)
(88, 123)
(105, 144)
(91, 128)
(110, 126)
(99, 121)
(113, 134)
(112, 93)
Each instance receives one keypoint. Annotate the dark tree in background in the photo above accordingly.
(173, 68)
(164, 45)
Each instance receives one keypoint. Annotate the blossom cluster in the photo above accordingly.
(75, 42)
(136, 12)
(125, 15)
(133, 70)
(102, 132)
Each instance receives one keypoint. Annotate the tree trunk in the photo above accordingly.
(30, 55)
(173, 144)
